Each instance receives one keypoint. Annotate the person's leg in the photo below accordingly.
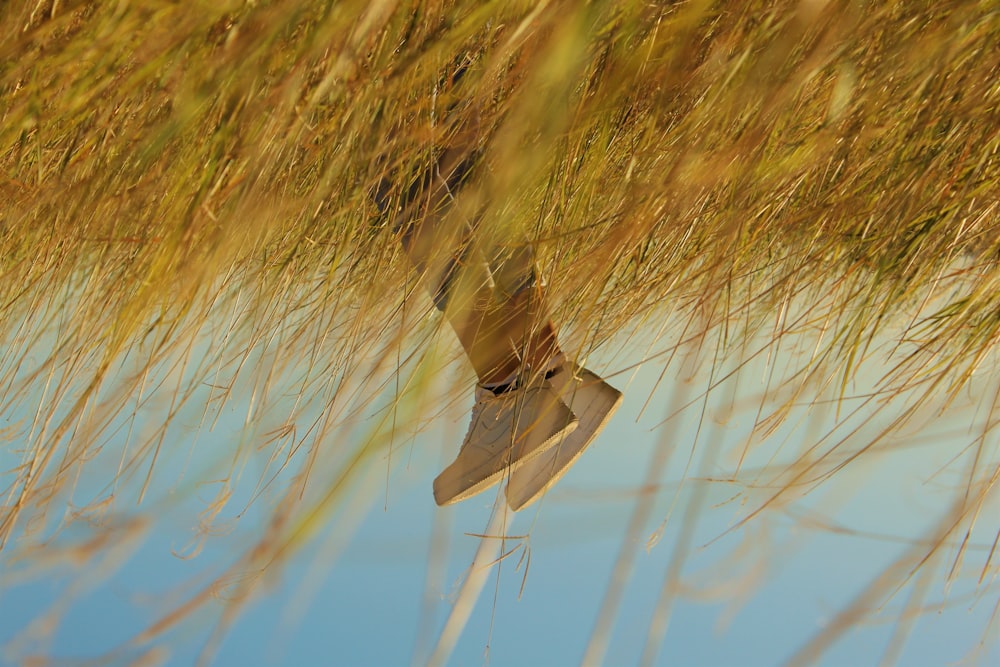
(496, 304)
(504, 328)
(517, 416)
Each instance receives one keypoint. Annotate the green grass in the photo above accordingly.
(172, 173)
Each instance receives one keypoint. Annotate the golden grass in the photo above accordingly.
(185, 190)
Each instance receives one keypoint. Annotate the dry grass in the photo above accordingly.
(184, 193)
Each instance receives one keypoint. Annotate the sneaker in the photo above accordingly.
(590, 398)
(507, 430)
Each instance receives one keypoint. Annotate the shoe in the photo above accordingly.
(507, 430)
(593, 401)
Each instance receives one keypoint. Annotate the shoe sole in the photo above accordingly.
(529, 483)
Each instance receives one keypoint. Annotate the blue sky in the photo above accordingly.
(366, 591)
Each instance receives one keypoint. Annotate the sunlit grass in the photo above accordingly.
(185, 217)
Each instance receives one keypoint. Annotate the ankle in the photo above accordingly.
(502, 385)
(555, 363)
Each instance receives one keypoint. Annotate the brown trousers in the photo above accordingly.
(487, 288)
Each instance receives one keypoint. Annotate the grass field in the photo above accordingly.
(186, 228)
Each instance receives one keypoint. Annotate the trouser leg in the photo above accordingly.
(491, 296)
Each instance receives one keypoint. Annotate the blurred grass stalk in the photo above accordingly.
(185, 193)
